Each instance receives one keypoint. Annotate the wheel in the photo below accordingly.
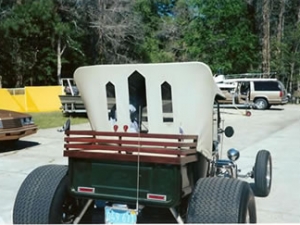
(261, 103)
(43, 198)
(236, 99)
(221, 200)
(263, 173)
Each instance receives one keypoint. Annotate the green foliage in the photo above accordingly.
(156, 21)
(22, 30)
(225, 34)
(220, 35)
(29, 40)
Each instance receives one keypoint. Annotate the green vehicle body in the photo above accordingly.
(161, 179)
(115, 181)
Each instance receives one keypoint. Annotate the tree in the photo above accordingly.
(22, 42)
(266, 38)
(119, 31)
(284, 45)
(276, 39)
(35, 35)
(214, 36)
(293, 53)
(70, 32)
(42, 41)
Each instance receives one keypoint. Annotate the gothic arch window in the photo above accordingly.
(137, 99)
(111, 101)
(167, 105)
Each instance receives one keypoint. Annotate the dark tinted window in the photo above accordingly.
(229, 89)
(266, 86)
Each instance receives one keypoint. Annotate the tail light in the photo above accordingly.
(280, 94)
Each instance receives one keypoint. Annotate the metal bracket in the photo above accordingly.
(78, 218)
(247, 175)
(176, 215)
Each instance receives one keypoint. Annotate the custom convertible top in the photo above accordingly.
(168, 98)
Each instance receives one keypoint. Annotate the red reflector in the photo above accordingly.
(157, 197)
(86, 189)
(116, 128)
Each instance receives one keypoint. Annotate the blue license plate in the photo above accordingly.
(116, 215)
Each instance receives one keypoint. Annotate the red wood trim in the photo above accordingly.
(131, 158)
(157, 150)
(131, 142)
(89, 144)
(126, 134)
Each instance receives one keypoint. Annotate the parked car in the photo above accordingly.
(261, 93)
(15, 125)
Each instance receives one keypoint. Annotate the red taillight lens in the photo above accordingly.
(281, 94)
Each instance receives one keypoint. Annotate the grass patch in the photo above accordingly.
(56, 119)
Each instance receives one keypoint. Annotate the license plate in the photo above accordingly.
(119, 215)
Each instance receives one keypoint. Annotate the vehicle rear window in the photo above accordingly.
(267, 86)
(281, 86)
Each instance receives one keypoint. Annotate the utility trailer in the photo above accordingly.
(152, 151)
(71, 102)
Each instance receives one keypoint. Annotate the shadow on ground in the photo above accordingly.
(8, 146)
(243, 110)
(275, 109)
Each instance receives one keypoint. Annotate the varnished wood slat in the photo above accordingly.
(157, 150)
(131, 142)
(126, 134)
(81, 144)
(131, 158)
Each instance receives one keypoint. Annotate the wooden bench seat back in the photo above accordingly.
(123, 146)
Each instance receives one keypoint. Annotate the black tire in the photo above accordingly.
(261, 103)
(221, 200)
(263, 173)
(43, 197)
